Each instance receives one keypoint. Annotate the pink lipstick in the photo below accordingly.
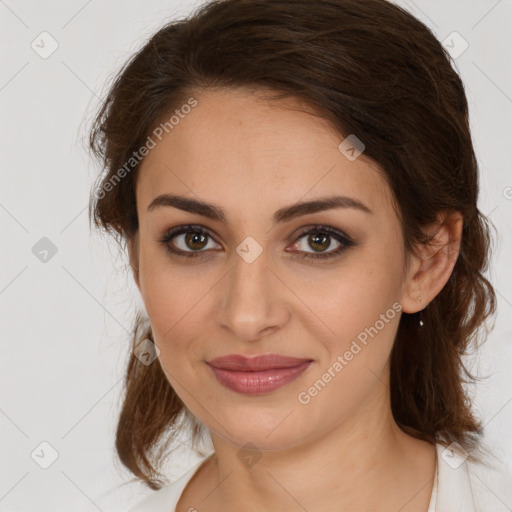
(258, 374)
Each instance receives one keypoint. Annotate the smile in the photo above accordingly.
(258, 375)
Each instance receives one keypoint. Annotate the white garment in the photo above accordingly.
(458, 487)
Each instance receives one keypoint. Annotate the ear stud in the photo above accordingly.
(421, 321)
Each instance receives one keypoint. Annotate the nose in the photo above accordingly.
(254, 302)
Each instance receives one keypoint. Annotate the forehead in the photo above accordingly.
(236, 147)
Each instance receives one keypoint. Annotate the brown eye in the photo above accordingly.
(192, 241)
(319, 242)
(195, 241)
(320, 239)
(186, 241)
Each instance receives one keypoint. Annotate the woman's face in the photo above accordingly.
(253, 285)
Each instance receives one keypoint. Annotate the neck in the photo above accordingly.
(366, 463)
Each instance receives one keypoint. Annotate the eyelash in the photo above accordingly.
(344, 240)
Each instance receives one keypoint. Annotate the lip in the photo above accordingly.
(258, 374)
(255, 363)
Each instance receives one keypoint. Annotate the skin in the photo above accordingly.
(342, 450)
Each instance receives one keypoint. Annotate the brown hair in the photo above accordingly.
(373, 70)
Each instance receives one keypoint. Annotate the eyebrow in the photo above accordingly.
(282, 215)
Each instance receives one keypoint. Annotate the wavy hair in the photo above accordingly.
(370, 68)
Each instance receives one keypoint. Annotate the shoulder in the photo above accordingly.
(472, 486)
(166, 498)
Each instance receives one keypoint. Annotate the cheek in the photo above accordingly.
(361, 310)
(172, 308)
(365, 319)
(169, 291)
(175, 301)
(353, 296)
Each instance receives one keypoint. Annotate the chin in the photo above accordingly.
(272, 432)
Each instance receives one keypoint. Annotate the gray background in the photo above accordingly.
(64, 321)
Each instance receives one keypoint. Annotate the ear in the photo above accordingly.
(133, 253)
(433, 264)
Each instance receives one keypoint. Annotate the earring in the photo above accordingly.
(421, 321)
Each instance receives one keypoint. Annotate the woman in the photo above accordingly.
(296, 185)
